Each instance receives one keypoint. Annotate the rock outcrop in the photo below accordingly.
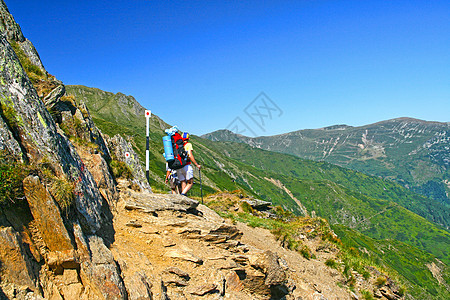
(39, 138)
(189, 251)
(52, 249)
(124, 151)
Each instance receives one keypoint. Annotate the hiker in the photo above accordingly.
(172, 177)
(186, 173)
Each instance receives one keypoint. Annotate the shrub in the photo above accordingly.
(12, 175)
(381, 280)
(306, 252)
(120, 169)
(331, 263)
(63, 192)
(247, 207)
(367, 295)
(293, 244)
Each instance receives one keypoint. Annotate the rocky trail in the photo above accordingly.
(171, 247)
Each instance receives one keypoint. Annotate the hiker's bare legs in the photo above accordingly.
(187, 186)
(183, 186)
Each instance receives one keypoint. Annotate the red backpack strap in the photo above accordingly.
(178, 140)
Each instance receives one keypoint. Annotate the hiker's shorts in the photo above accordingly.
(185, 173)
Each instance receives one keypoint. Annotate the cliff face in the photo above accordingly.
(63, 220)
(37, 138)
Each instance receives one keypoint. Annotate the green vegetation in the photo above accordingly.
(408, 151)
(407, 262)
(331, 263)
(247, 208)
(61, 189)
(120, 169)
(341, 196)
(294, 232)
(63, 192)
(33, 71)
(374, 187)
(376, 218)
(367, 295)
(9, 115)
(12, 175)
(380, 281)
(75, 130)
(285, 226)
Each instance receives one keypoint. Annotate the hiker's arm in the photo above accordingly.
(167, 175)
(191, 157)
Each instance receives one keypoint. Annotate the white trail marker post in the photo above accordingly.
(148, 114)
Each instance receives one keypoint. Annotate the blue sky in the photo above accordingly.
(202, 64)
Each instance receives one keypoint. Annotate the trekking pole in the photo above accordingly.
(201, 185)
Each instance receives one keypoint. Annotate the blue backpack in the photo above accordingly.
(175, 154)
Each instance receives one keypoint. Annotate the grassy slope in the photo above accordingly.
(412, 152)
(375, 187)
(379, 219)
(408, 262)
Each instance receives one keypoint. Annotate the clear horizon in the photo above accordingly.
(262, 68)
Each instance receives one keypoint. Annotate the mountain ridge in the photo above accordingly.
(412, 152)
(330, 127)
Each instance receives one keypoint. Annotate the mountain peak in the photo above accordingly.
(337, 127)
(224, 135)
(409, 120)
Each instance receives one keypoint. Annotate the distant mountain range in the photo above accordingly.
(412, 152)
